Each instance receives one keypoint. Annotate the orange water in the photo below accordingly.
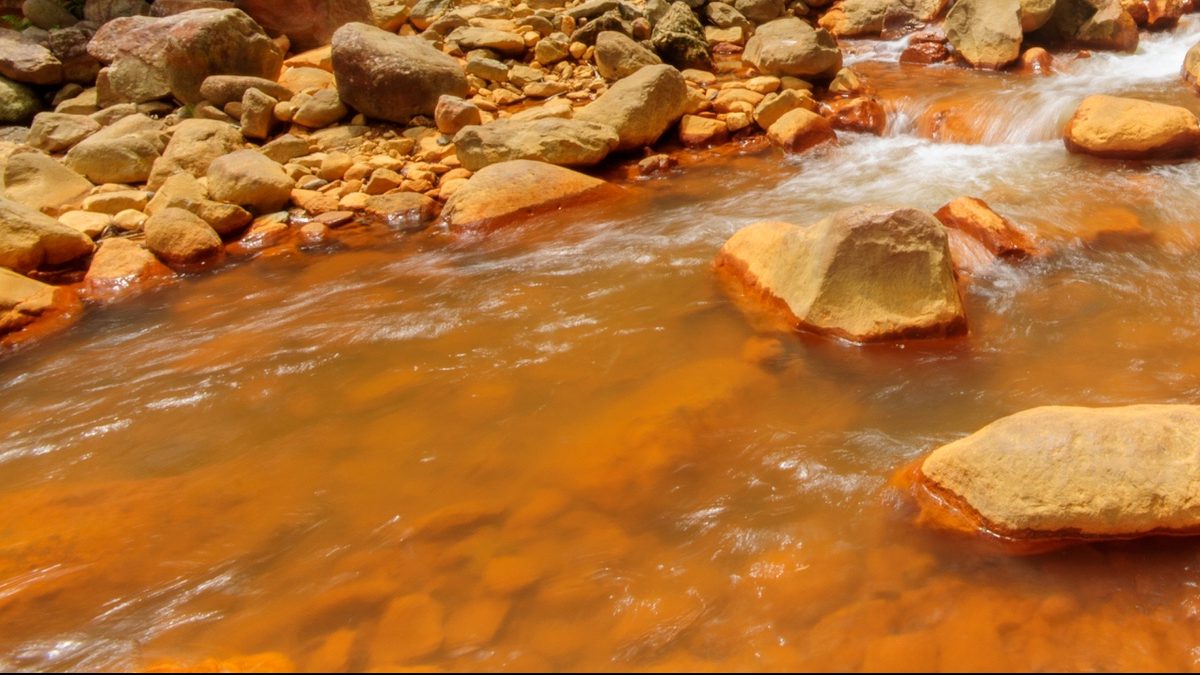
(560, 446)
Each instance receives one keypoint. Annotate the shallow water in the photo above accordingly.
(560, 446)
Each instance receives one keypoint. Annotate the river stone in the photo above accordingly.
(390, 77)
(122, 268)
(997, 233)
(180, 237)
(679, 39)
(30, 240)
(123, 152)
(47, 14)
(866, 273)
(193, 147)
(566, 142)
(759, 11)
(640, 107)
(618, 55)
(18, 103)
(23, 300)
(1076, 473)
(22, 60)
(1191, 66)
(251, 180)
(307, 23)
(1094, 24)
(792, 47)
(453, 113)
(43, 183)
(1127, 128)
(987, 33)
(177, 53)
(799, 129)
(518, 189)
(56, 132)
(221, 89)
(320, 109)
(499, 41)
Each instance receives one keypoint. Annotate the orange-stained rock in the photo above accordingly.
(265, 662)
(1037, 61)
(123, 268)
(924, 52)
(867, 273)
(861, 113)
(24, 300)
(1163, 14)
(509, 574)
(410, 628)
(511, 191)
(31, 240)
(997, 233)
(951, 120)
(1191, 66)
(971, 257)
(1127, 128)
(475, 624)
(1113, 224)
(696, 131)
(1058, 474)
(334, 653)
(798, 130)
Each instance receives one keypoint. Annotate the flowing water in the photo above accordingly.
(560, 446)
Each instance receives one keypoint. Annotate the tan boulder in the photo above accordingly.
(1070, 473)
(799, 129)
(641, 106)
(865, 274)
(123, 152)
(1191, 66)
(618, 55)
(501, 193)
(43, 183)
(401, 210)
(23, 300)
(789, 46)
(193, 147)
(251, 180)
(987, 33)
(56, 132)
(566, 142)
(31, 240)
(180, 237)
(122, 268)
(997, 233)
(1127, 128)
(696, 131)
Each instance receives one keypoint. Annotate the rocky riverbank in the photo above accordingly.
(155, 139)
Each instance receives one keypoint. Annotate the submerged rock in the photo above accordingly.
(866, 274)
(508, 191)
(1070, 473)
(1127, 128)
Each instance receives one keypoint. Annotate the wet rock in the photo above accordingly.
(792, 47)
(251, 180)
(23, 300)
(618, 56)
(679, 39)
(799, 129)
(865, 274)
(998, 234)
(1094, 24)
(175, 54)
(453, 113)
(18, 103)
(180, 237)
(307, 23)
(122, 268)
(56, 132)
(410, 628)
(221, 89)
(1070, 473)
(518, 189)
(1191, 66)
(43, 183)
(640, 107)
(30, 240)
(566, 142)
(1164, 14)
(225, 219)
(193, 147)
(987, 33)
(861, 113)
(392, 78)
(696, 131)
(1126, 128)
(24, 61)
(1037, 61)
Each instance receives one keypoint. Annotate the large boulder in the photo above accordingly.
(22, 60)
(679, 39)
(31, 240)
(515, 190)
(123, 152)
(1095, 24)
(987, 33)
(1127, 128)
(56, 132)
(640, 107)
(180, 237)
(251, 180)
(390, 77)
(1070, 473)
(307, 23)
(154, 57)
(792, 47)
(565, 142)
(865, 274)
(193, 147)
(41, 182)
(23, 300)
(618, 55)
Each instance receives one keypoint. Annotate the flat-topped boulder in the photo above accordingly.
(1128, 128)
(31, 240)
(1069, 473)
(866, 274)
(509, 191)
(566, 142)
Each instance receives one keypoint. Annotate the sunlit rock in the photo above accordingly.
(1127, 128)
(997, 233)
(507, 191)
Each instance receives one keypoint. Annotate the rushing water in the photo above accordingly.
(559, 446)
